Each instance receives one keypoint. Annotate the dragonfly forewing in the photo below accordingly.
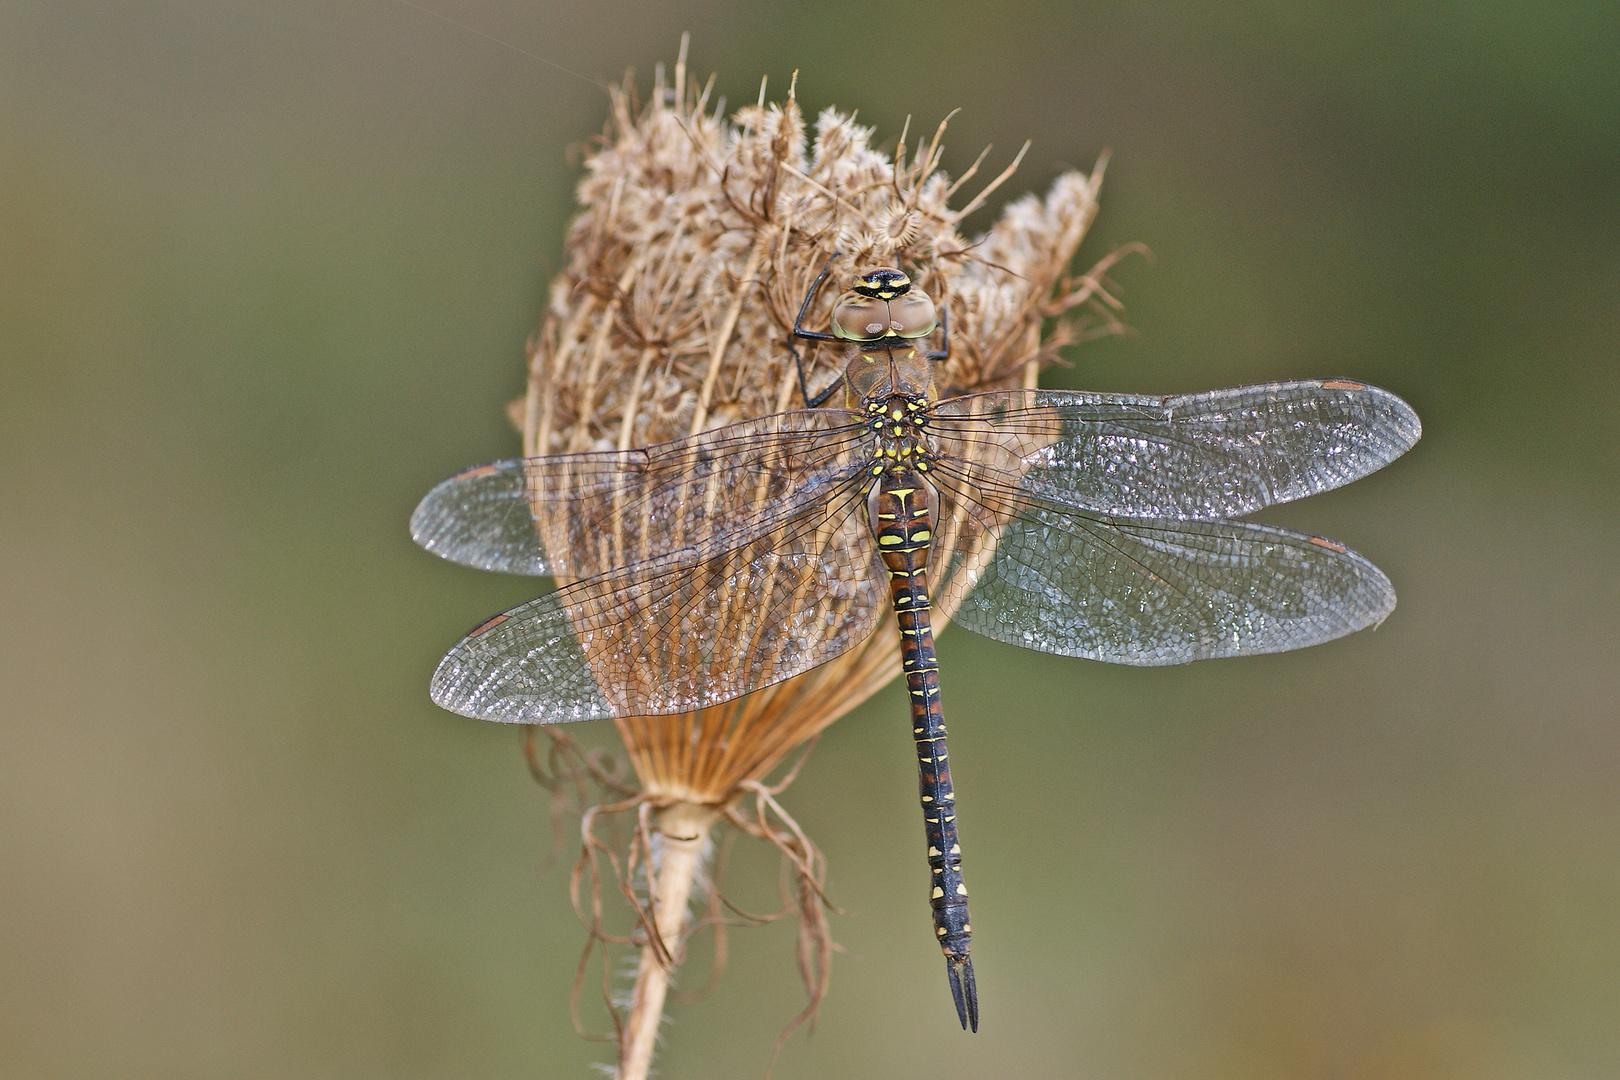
(482, 518)
(577, 515)
(1197, 456)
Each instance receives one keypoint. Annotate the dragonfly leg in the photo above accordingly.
(812, 335)
(804, 391)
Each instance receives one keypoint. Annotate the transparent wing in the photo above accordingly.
(1144, 591)
(482, 517)
(670, 635)
(1196, 457)
(577, 515)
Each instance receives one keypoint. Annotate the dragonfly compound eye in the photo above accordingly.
(860, 318)
(857, 317)
(912, 315)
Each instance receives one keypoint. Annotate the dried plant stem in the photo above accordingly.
(683, 845)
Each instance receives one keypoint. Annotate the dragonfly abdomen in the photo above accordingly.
(902, 525)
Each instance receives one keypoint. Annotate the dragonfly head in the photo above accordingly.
(882, 306)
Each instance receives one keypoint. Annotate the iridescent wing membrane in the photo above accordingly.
(707, 568)
(1082, 524)
(1108, 511)
(606, 510)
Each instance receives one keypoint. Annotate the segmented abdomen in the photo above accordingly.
(903, 532)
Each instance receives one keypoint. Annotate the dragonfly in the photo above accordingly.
(1093, 525)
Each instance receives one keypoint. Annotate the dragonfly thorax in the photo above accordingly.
(898, 424)
(879, 374)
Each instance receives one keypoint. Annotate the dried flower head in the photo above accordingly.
(698, 240)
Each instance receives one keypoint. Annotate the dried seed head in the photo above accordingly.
(697, 241)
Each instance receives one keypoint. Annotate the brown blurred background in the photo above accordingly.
(265, 274)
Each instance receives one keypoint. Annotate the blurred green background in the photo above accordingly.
(265, 274)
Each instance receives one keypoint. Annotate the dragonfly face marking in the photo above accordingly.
(1103, 526)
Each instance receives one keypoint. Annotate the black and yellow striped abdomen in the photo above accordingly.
(902, 525)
